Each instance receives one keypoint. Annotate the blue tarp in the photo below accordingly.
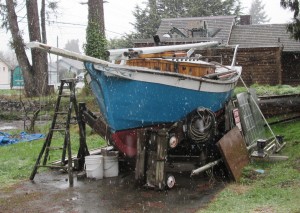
(7, 139)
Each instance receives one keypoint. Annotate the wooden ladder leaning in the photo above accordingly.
(60, 127)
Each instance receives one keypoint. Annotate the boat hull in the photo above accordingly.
(134, 99)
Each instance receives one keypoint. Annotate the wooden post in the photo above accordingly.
(140, 167)
(83, 149)
(160, 174)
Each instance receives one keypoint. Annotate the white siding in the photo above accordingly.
(5, 73)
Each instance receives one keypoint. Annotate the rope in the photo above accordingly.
(202, 126)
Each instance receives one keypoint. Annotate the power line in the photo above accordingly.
(76, 24)
(67, 23)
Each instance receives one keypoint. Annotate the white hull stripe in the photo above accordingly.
(171, 79)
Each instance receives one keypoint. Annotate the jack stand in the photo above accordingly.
(266, 148)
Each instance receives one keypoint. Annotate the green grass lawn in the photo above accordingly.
(17, 160)
(277, 190)
(10, 92)
(266, 90)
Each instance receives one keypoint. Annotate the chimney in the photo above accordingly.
(245, 20)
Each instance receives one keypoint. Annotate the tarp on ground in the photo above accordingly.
(8, 139)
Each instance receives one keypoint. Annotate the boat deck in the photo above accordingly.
(185, 66)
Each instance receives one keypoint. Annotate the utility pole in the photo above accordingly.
(57, 75)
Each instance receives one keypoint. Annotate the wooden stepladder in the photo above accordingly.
(61, 124)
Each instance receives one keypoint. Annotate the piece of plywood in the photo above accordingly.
(234, 152)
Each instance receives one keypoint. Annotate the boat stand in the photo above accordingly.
(151, 159)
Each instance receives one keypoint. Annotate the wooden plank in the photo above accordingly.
(140, 158)
(234, 152)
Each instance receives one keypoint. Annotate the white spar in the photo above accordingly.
(116, 54)
(66, 53)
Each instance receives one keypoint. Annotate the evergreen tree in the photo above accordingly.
(148, 19)
(125, 41)
(72, 45)
(196, 8)
(257, 12)
(294, 27)
(171, 8)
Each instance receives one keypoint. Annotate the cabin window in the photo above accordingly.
(199, 32)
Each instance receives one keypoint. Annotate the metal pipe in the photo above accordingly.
(205, 167)
(234, 56)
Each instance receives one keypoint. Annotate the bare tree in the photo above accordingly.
(39, 58)
(35, 75)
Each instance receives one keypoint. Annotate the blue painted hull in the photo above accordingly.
(128, 104)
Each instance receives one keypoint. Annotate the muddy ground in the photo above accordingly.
(50, 192)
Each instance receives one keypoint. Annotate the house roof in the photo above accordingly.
(66, 63)
(222, 23)
(264, 35)
(247, 36)
(6, 63)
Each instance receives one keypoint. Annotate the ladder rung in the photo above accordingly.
(54, 148)
(54, 167)
(65, 95)
(61, 113)
(68, 80)
(61, 123)
(58, 130)
(65, 123)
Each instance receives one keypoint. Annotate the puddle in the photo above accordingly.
(17, 125)
(7, 128)
(11, 125)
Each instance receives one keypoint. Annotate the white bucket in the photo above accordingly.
(111, 166)
(94, 166)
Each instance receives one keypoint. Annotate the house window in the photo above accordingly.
(3, 68)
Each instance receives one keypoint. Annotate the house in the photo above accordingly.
(13, 78)
(5, 75)
(67, 68)
(272, 58)
(17, 80)
(266, 52)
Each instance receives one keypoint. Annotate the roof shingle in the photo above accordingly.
(264, 35)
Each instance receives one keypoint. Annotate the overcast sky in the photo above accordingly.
(72, 20)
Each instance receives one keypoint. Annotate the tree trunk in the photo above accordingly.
(18, 45)
(96, 14)
(39, 58)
